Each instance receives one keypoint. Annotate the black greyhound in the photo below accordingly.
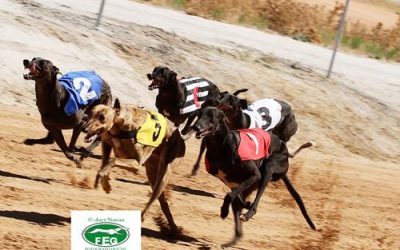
(52, 98)
(241, 173)
(272, 115)
(180, 99)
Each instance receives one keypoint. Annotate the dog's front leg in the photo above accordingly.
(75, 134)
(104, 171)
(265, 178)
(197, 164)
(231, 196)
(237, 210)
(189, 122)
(59, 138)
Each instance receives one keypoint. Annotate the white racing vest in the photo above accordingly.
(264, 113)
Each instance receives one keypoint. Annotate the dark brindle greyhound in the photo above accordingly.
(56, 106)
(271, 115)
(180, 99)
(244, 173)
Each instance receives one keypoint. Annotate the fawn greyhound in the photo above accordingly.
(134, 133)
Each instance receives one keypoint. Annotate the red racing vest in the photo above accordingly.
(254, 144)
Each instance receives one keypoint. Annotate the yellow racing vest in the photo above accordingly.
(153, 130)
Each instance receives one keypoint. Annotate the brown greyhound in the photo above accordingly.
(134, 133)
(55, 101)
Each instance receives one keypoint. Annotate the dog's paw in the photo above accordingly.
(105, 184)
(247, 216)
(194, 172)
(78, 163)
(224, 212)
(247, 205)
(225, 207)
(29, 142)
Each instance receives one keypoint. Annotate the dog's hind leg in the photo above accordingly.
(167, 212)
(197, 164)
(45, 140)
(299, 201)
(159, 183)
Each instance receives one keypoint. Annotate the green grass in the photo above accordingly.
(392, 54)
(356, 42)
(242, 19)
(217, 12)
(327, 37)
(374, 51)
(261, 23)
(178, 3)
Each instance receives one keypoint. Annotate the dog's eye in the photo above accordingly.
(101, 118)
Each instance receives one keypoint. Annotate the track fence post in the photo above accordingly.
(100, 13)
(338, 38)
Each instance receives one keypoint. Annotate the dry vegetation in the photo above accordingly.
(302, 21)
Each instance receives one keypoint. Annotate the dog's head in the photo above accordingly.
(161, 76)
(209, 120)
(231, 104)
(40, 68)
(101, 120)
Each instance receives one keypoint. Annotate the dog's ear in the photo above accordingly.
(243, 103)
(170, 76)
(117, 104)
(55, 70)
(26, 63)
(119, 120)
(220, 115)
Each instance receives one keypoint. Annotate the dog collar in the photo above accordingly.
(126, 134)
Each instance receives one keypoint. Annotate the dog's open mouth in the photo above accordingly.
(90, 137)
(33, 72)
(154, 85)
(201, 134)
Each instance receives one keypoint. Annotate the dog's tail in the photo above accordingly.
(239, 91)
(305, 145)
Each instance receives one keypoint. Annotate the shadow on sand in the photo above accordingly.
(91, 155)
(180, 239)
(37, 218)
(177, 188)
(31, 178)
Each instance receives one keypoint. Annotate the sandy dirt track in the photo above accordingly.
(349, 181)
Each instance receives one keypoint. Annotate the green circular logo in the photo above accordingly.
(105, 234)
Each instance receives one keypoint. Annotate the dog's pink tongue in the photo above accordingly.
(90, 139)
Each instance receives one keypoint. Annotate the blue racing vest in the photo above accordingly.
(83, 87)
